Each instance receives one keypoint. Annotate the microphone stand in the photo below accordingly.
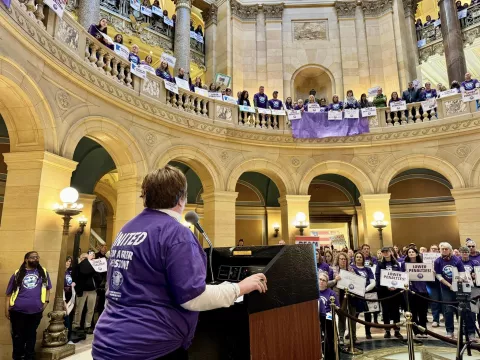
(205, 236)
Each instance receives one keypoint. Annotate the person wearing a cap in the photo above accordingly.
(390, 307)
(275, 104)
(444, 269)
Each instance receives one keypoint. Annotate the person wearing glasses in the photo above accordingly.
(324, 310)
(444, 268)
(472, 246)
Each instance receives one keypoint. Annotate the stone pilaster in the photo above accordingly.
(88, 12)
(210, 17)
(467, 204)
(409, 10)
(371, 204)
(219, 217)
(129, 203)
(183, 10)
(362, 48)
(290, 205)
(261, 42)
(274, 45)
(33, 186)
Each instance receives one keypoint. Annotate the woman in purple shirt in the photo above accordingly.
(163, 72)
(418, 306)
(326, 321)
(27, 296)
(350, 101)
(97, 30)
(336, 104)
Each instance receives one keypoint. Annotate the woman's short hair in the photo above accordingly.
(445, 244)
(163, 188)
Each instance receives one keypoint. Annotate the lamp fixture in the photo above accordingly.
(276, 228)
(379, 223)
(301, 222)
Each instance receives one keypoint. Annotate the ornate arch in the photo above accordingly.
(206, 169)
(420, 161)
(280, 177)
(312, 66)
(119, 143)
(350, 171)
(27, 114)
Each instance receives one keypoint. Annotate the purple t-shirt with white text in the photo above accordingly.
(155, 265)
(324, 301)
(370, 261)
(475, 257)
(260, 100)
(470, 85)
(469, 265)
(29, 299)
(275, 104)
(326, 268)
(445, 267)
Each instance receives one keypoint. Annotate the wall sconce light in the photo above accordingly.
(276, 228)
(301, 222)
(379, 223)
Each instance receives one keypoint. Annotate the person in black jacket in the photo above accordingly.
(86, 280)
(411, 95)
(390, 307)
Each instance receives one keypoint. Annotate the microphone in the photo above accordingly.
(192, 218)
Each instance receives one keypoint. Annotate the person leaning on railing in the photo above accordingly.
(426, 94)
(394, 98)
(364, 103)
(163, 71)
(97, 30)
(350, 102)
(336, 104)
(380, 100)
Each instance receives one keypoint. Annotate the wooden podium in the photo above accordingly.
(282, 324)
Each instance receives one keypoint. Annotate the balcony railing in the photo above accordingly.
(71, 47)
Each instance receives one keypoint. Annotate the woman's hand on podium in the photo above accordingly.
(255, 282)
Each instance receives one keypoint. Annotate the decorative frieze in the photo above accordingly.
(273, 11)
(345, 9)
(210, 15)
(244, 12)
(377, 8)
(310, 30)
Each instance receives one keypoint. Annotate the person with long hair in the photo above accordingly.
(289, 103)
(350, 101)
(326, 321)
(68, 284)
(364, 103)
(96, 30)
(336, 104)
(418, 306)
(322, 265)
(394, 98)
(328, 257)
(27, 295)
(360, 268)
(390, 307)
(163, 71)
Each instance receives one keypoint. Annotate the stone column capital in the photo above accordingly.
(274, 12)
(374, 198)
(220, 196)
(210, 16)
(345, 9)
(36, 160)
(410, 8)
(243, 12)
(377, 8)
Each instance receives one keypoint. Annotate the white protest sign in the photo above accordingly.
(58, 6)
(430, 257)
(230, 99)
(264, 111)
(168, 21)
(429, 104)
(215, 95)
(421, 42)
(294, 114)
(246, 108)
(462, 14)
(71, 302)
(449, 92)
(420, 271)
(369, 111)
(372, 92)
(471, 95)
(278, 112)
(145, 10)
(121, 50)
(193, 35)
(353, 282)
(199, 38)
(335, 115)
(171, 60)
(171, 87)
(100, 265)
(147, 68)
(157, 11)
(393, 279)
(437, 22)
(313, 108)
(135, 4)
(182, 84)
(201, 91)
(138, 71)
(352, 113)
(477, 275)
(374, 270)
(455, 278)
(107, 38)
(398, 105)
(373, 306)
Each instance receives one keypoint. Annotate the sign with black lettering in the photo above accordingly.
(420, 272)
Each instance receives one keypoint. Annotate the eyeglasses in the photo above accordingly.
(323, 280)
(470, 246)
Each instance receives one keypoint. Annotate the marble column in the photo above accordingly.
(210, 18)
(372, 203)
(467, 204)
(183, 10)
(274, 45)
(290, 205)
(409, 9)
(219, 217)
(88, 12)
(452, 41)
(129, 203)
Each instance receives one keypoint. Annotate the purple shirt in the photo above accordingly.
(134, 59)
(163, 74)
(326, 268)
(416, 286)
(260, 100)
(469, 265)
(155, 265)
(470, 85)
(324, 301)
(365, 272)
(475, 257)
(67, 284)
(335, 106)
(370, 261)
(445, 267)
(29, 299)
(275, 104)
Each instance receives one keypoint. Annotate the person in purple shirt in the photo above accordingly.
(360, 268)
(260, 100)
(336, 104)
(350, 101)
(133, 56)
(97, 30)
(469, 266)
(275, 104)
(474, 254)
(323, 266)
(156, 279)
(417, 305)
(27, 296)
(469, 83)
(326, 321)
(163, 71)
(370, 260)
(443, 268)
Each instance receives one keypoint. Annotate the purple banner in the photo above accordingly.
(7, 3)
(317, 126)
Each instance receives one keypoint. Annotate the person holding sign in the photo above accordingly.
(469, 265)
(469, 83)
(97, 30)
(364, 103)
(390, 307)
(326, 321)
(312, 104)
(444, 266)
(350, 101)
(380, 100)
(163, 72)
(275, 104)
(418, 306)
(364, 271)
(394, 98)
(336, 104)
(260, 100)
(244, 101)
(133, 56)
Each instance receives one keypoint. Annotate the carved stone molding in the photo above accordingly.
(210, 16)
(345, 9)
(377, 7)
(244, 12)
(273, 11)
(410, 7)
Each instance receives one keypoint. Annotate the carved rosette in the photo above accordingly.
(273, 11)
(345, 9)
(244, 12)
(410, 7)
(377, 8)
(210, 16)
